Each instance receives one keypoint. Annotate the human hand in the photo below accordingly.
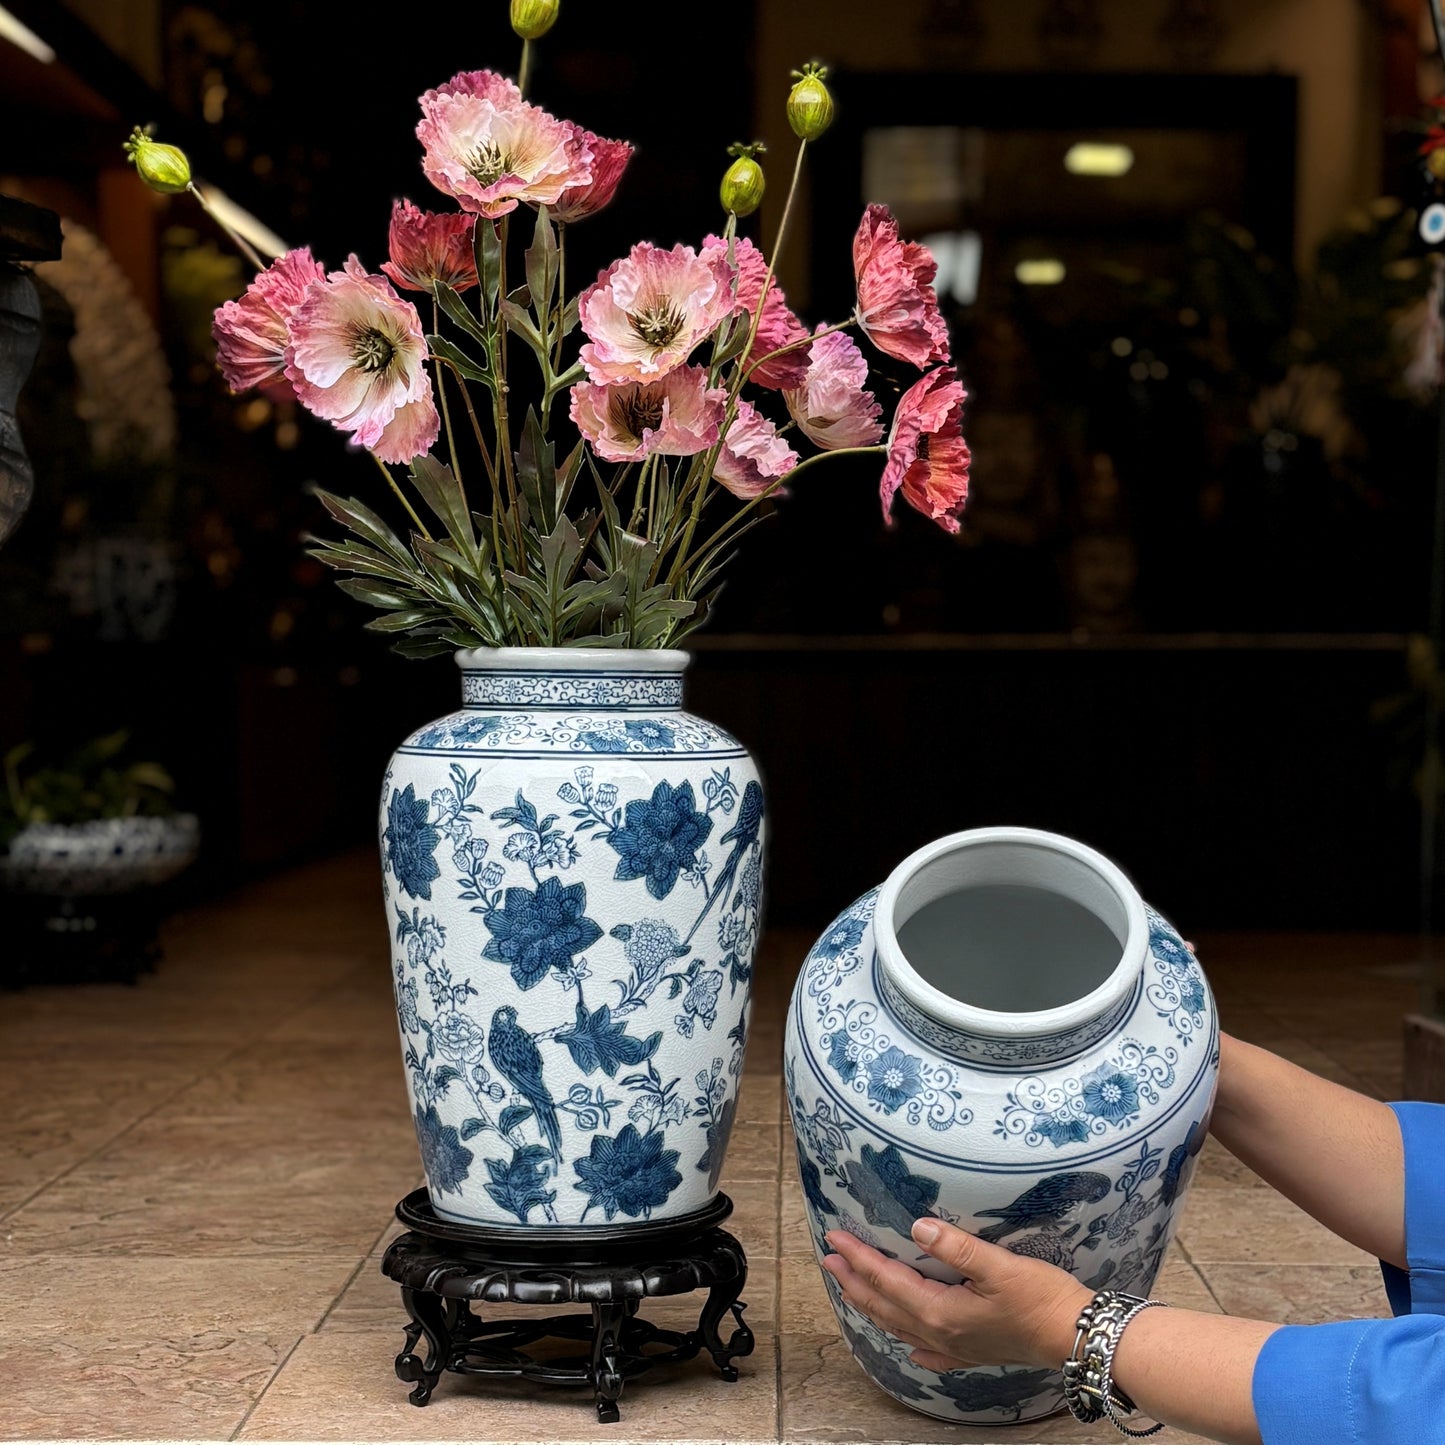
(1009, 1310)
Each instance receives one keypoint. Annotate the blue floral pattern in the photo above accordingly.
(410, 843)
(573, 952)
(1077, 1154)
(1177, 989)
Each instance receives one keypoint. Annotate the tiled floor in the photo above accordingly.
(197, 1179)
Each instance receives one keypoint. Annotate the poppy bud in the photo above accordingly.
(163, 168)
(532, 19)
(810, 107)
(743, 183)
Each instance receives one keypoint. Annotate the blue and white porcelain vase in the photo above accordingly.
(573, 869)
(1006, 1036)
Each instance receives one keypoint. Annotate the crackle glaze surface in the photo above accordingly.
(1076, 1148)
(572, 868)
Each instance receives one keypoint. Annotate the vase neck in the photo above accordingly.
(1010, 945)
(566, 679)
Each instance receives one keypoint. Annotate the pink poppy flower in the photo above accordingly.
(677, 415)
(426, 248)
(609, 160)
(897, 305)
(778, 327)
(357, 357)
(753, 455)
(831, 407)
(491, 151)
(647, 312)
(927, 456)
(251, 333)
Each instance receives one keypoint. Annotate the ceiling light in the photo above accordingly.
(17, 34)
(1096, 158)
(1040, 271)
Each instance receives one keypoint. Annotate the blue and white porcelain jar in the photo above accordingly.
(572, 868)
(1006, 1036)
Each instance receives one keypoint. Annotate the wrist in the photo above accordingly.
(1055, 1338)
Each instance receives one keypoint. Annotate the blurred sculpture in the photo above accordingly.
(27, 233)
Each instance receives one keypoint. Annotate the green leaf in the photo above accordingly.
(536, 473)
(519, 323)
(401, 621)
(357, 517)
(458, 310)
(442, 492)
(542, 266)
(487, 247)
(375, 595)
(445, 350)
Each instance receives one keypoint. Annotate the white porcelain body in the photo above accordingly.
(572, 868)
(1068, 1133)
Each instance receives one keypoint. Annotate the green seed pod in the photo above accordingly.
(163, 168)
(743, 183)
(810, 107)
(532, 19)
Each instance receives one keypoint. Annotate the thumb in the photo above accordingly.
(974, 1258)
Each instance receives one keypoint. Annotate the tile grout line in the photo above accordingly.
(251, 1408)
(1203, 1278)
(350, 1279)
(8, 1214)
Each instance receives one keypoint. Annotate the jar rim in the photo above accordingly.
(972, 1019)
(572, 659)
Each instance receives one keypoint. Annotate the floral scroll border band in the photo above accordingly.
(613, 691)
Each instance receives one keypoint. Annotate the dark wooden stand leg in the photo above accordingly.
(721, 1298)
(429, 1317)
(607, 1378)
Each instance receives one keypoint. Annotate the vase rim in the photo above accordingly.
(572, 659)
(970, 1018)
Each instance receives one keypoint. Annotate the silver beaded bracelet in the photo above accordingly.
(1089, 1389)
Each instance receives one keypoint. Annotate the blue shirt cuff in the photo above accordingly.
(1353, 1382)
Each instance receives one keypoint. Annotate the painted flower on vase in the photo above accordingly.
(844, 936)
(631, 1174)
(718, 1134)
(411, 842)
(458, 1038)
(890, 1194)
(1110, 1094)
(660, 837)
(894, 1078)
(1061, 1127)
(446, 1159)
(843, 1056)
(534, 932)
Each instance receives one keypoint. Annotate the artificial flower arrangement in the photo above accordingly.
(692, 390)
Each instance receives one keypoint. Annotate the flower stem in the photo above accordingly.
(499, 399)
(401, 495)
(436, 325)
(524, 71)
(242, 244)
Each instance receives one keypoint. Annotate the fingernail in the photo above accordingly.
(925, 1231)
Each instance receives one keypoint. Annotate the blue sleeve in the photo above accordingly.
(1422, 1289)
(1356, 1382)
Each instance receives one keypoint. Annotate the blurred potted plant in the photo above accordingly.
(86, 843)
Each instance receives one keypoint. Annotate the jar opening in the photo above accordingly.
(1011, 932)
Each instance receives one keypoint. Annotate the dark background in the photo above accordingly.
(1181, 599)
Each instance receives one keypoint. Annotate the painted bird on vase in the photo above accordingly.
(1047, 1202)
(519, 1061)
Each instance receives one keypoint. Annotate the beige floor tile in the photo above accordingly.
(760, 1099)
(52, 1297)
(826, 1396)
(1299, 1294)
(803, 1305)
(753, 1153)
(340, 1385)
(793, 1223)
(754, 1220)
(107, 1388)
(1180, 1284)
(1244, 1225)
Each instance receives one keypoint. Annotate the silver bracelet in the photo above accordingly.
(1089, 1389)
